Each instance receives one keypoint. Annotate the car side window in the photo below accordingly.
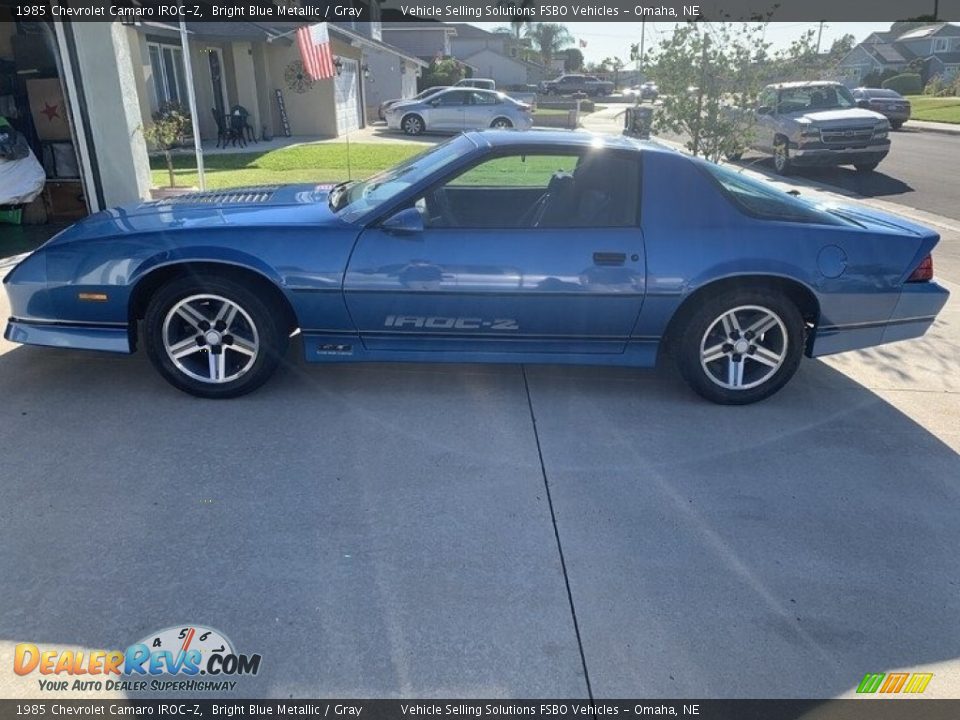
(479, 98)
(452, 98)
(596, 189)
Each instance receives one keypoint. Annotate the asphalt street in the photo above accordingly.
(495, 531)
(922, 171)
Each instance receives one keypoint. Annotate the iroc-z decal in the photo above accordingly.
(450, 323)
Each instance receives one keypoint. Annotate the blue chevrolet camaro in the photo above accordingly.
(498, 246)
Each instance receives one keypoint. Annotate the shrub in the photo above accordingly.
(905, 84)
(170, 123)
(936, 86)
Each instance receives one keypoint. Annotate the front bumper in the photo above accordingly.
(912, 316)
(113, 338)
(819, 155)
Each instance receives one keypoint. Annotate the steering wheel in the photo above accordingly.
(438, 198)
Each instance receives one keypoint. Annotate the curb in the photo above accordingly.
(927, 129)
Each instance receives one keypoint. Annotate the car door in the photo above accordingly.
(480, 111)
(764, 128)
(511, 259)
(447, 110)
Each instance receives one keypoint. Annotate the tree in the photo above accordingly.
(708, 74)
(442, 71)
(617, 65)
(549, 39)
(572, 59)
(170, 124)
(841, 46)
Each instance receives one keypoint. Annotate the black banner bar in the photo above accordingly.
(874, 708)
(562, 11)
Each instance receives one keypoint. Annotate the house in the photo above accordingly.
(487, 54)
(239, 63)
(933, 49)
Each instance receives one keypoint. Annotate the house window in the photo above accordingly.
(166, 62)
(941, 45)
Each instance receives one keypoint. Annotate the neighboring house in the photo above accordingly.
(933, 48)
(239, 63)
(487, 54)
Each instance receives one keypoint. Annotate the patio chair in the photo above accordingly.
(240, 121)
(226, 131)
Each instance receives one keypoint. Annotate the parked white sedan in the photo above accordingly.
(459, 109)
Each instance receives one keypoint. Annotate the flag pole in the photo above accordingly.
(192, 101)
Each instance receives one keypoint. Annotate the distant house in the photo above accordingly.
(487, 54)
(933, 49)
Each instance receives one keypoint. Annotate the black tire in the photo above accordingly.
(760, 381)
(501, 123)
(269, 332)
(897, 124)
(781, 157)
(734, 156)
(413, 124)
(866, 167)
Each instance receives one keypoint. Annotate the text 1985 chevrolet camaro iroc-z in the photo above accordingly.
(498, 246)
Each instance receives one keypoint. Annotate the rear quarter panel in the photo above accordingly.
(695, 235)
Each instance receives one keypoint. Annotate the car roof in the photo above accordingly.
(561, 139)
(805, 83)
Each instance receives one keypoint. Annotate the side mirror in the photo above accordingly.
(405, 222)
(764, 110)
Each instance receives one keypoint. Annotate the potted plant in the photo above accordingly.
(170, 124)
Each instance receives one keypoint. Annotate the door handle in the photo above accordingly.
(609, 258)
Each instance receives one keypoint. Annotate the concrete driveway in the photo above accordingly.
(387, 530)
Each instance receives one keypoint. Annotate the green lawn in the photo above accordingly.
(307, 163)
(935, 109)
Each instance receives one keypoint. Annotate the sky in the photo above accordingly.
(613, 39)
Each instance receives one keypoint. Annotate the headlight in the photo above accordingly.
(880, 130)
(810, 131)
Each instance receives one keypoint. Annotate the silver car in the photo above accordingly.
(422, 95)
(459, 109)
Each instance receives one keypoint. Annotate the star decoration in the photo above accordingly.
(51, 111)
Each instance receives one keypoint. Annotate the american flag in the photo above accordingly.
(314, 42)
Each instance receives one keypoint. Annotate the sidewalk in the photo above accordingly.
(927, 126)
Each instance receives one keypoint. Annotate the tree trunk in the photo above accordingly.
(169, 157)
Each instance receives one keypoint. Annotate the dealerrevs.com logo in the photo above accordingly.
(185, 658)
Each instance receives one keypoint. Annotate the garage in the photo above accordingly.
(347, 95)
(43, 180)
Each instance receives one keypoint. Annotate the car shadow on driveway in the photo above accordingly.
(382, 530)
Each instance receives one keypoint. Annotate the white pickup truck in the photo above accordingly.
(817, 124)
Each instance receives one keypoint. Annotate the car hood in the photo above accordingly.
(249, 207)
(849, 116)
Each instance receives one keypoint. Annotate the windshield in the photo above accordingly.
(356, 198)
(814, 97)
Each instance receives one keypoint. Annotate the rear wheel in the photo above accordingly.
(412, 125)
(896, 124)
(866, 167)
(213, 337)
(741, 346)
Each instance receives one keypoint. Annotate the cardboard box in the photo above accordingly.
(64, 200)
(48, 109)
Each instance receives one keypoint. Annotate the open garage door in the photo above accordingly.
(347, 89)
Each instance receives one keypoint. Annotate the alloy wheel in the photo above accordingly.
(744, 347)
(210, 338)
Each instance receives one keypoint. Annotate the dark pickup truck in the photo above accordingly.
(570, 84)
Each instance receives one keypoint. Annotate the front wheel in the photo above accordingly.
(781, 158)
(213, 337)
(866, 167)
(412, 125)
(741, 346)
(501, 124)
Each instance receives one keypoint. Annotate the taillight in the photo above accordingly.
(923, 272)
